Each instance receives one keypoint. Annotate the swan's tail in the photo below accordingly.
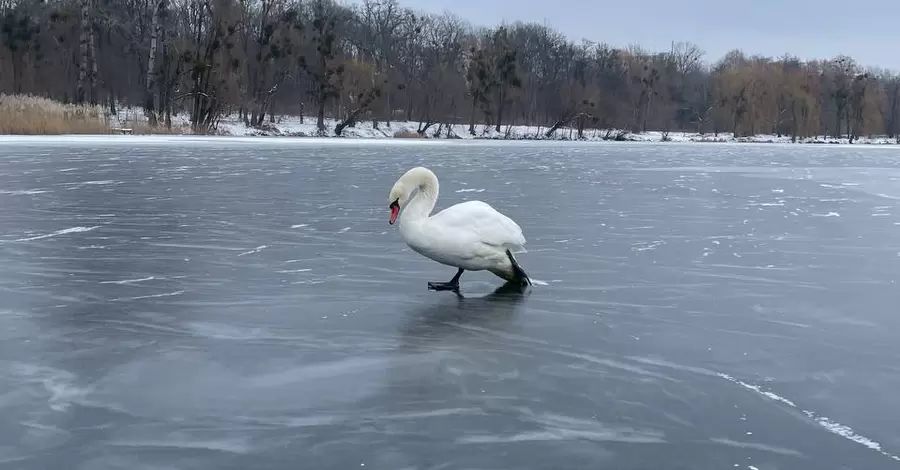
(519, 274)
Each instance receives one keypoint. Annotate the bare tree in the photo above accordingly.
(150, 100)
(381, 61)
(324, 66)
(362, 87)
(214, 24)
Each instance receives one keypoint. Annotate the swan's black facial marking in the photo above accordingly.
(395, 211)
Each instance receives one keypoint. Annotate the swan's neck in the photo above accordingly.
(422, 202)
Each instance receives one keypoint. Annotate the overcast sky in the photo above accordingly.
(865, 29)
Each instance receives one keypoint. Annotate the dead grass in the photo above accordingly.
(407, 134)
(33, 115)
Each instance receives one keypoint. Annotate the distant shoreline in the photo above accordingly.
(679, 138)
(645, 137)
(293, 126)
(131, 121)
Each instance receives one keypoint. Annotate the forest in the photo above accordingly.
(378, 61)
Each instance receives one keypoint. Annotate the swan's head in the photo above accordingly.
(416, 178)
(398, 198)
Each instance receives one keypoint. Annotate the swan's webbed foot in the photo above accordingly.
(452, 285)
(442, 286)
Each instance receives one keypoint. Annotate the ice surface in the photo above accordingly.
(233, 303)
(58, 233)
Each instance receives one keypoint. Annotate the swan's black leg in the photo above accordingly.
(452, 285)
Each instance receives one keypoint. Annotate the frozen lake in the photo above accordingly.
(239, 303)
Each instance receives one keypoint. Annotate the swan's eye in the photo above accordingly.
(394, 204)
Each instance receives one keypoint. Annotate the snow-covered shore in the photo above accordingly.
(289, 126)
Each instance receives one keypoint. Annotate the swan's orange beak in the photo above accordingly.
(395, 211)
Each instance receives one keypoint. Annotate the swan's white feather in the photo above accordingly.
(490, 226)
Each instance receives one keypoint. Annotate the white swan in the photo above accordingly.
(470, 236)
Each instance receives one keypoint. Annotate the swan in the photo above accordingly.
(471, 235)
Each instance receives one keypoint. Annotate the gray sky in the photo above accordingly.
(806, 28)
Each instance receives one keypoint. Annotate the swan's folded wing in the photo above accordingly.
(484, 222)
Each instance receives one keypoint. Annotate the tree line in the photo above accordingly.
(379, 61)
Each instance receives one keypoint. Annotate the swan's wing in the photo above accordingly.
(484, 222)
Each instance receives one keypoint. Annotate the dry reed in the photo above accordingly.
(33, 115)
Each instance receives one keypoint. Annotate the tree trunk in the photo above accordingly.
(323, 67)
(565, 119)
(353, 115)
(734, 125)
(794, 125)
(16, 73)
(390, 108)
(847, 117)
(150, 92)
(425, 125)
(167, 78)
(500, 103)
(320, 115)
(351, 119)
(472, 117)
(83, 51)
(94, 74)
(409, 110)
(895, 108)
(646, 114)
